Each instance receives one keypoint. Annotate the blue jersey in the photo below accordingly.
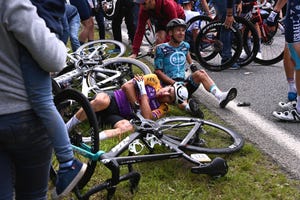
(171, 60)
(292, 21)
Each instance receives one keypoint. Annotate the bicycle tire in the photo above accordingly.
(209, 47)
(202, 21)
(68, 102)
(215, 138)
(272, 47)
(252, 49)
(127, 66)
(91, 49)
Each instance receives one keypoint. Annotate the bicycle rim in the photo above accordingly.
(68, 103)
(209, 47)
(101, 49)
(127, 68)
(210, 137)
(272, 47)
(250, 41)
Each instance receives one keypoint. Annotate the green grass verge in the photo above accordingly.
(252, 175)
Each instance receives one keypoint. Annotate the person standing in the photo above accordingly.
(161, 12)
(292, 37)
(25, 147)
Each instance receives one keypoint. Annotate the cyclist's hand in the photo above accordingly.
(272, 20)
(141, 84)
(133, 56)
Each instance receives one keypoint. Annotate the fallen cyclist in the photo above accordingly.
(170, 60)
(117, 107)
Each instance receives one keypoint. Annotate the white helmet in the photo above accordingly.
(181, 93)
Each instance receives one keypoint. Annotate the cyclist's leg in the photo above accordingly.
(289, 69)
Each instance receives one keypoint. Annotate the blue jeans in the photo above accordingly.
(39, 89)
(74, 26)
(71, 26)
(25, 155)
(225, 34)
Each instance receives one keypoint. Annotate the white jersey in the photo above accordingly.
(189, 15)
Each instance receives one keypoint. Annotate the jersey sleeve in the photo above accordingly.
(159, 58)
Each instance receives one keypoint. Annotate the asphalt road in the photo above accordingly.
(264, 87)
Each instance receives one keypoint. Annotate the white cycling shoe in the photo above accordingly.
(289, 115)
(287, 106)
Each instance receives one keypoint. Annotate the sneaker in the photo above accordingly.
(243, 54)
(228, 96)
(259, 55)
(67, 178)
(195, 110)
(235, 66)
(290, 115)
(287, 106)
(292, 96)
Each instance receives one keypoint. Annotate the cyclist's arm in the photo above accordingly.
(279, 5)
(129, 89)
(159, 68)
(160, 111)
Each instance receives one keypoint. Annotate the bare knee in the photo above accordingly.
(101, 102)
(124, 126)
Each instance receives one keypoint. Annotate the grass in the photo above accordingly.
(252, 175)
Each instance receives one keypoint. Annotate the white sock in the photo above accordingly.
(292, 87)
(216, 92)
(72, 122)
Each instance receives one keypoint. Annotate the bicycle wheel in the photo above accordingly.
(209, 138)
(101, 49)
(68, 102)
(209, 46)
(195, 22)
(250, 41)
(115, 72)
(272, 44)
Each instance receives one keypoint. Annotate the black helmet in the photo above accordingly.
(176, 22)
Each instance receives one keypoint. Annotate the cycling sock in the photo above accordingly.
(72, 122)
(291, 85)
(102, 136)
(216, 91)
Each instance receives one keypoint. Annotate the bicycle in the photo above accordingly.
(272, 42)
(208, 46)
(167, 138)
(90, 71)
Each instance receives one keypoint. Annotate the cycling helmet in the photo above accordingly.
(181, 93)
(184, 1)
(175, 22)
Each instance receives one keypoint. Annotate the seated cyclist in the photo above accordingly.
(117, 107)
(170, 59)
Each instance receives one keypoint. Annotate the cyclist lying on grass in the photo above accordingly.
(170, 59)
(117, 107)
